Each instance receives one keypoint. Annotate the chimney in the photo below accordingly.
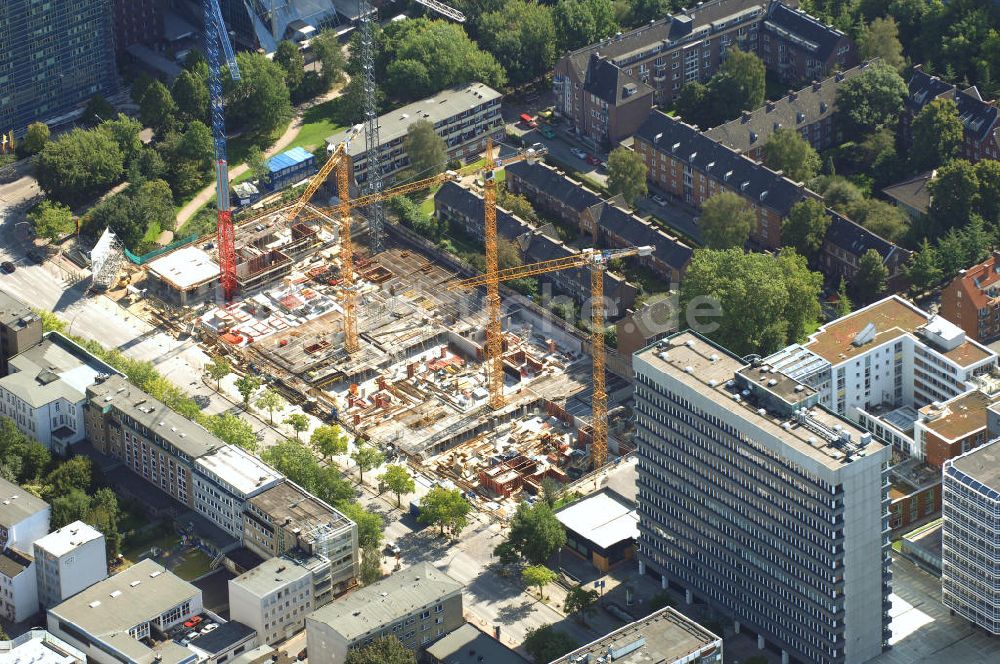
(817, 86)
(792, 95)
(769, 107)
(745, 116)
(357, 419)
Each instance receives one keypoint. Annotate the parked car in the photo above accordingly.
(659, 200)
(36, 257)
(193, 622)
(578, 153)
(190, 636)
(547, 132)
(7, 267)
(209, 628)
(392, 548)
(546, 113)
(592, 160)
(528, 121)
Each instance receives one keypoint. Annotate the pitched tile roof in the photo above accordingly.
(638, 233)
(857, 240)
(452, 195)
(607, 81)
(802, 29)
(570, 193)
(981, 283)
(742, 174)
(912, 192)
(978, 117)
(543, 248)
(809, 105)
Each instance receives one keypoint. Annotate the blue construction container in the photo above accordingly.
(290, 167)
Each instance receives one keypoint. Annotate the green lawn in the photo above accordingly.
(195, 563)
(152, 232)
(136, 546)
(319, 122)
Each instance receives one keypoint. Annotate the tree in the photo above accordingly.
(147, 165)
(551, 491)
(883, 219)
(546, 644)
(988, 201)
(264, 101)
(51, 220)
(954, 195)
(399, 481)
(69, 507)
(125, 132)
(197, 146)
(367, 457)
(446, 508)
(626, 174)
(582, 22)
(580, 601)
(156, 201)
(329, 52)
(299, 423)
(270, 400)
(408, 79)
(190, 93)
(246, 385)
(753, 294)
(692, 103)
(880, 39)
(295, 462)
(218, 369)
(371, 565)
(98, 110)
(539, 576)
(843, 305)
(522, 37)
(35, 138)
(937, 135)
(74, 473)
(739, 83)
(78, 166)
(725, 221)
(383, 650)
(923, 269)
(870, 100)
(427, 151)
(369, 525)
(787, 151)
(870, 280)
(233, 430)
(157, 108)
(535, 535)
(328, 440)
(839, 193)
(289, 58)
(805, 227)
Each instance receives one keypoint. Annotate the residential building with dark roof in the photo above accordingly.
(913, 195)
(692, 167)
(553, 193)
(847, 241)
(808, 111)
(972, 300)
(798, 47)
(979, 117)
(602, 88)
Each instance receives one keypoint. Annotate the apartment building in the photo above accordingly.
(275, 597)
(464, 116)
(153, 441)
(808, 111)
(416, 605)
(606, 89)
(24, 518)
(971, 536)
(225, 480)
(69, 560)
(756, 499)
(285, 518)
(20, 329)
(879, 364)
(53, 58)
(945, 430)
(979, 116)
(117, 620)
(972, 300)
(846, 242)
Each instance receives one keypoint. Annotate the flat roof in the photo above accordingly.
(603, 518)
(470, 645)
(288, 158)
(55, 369)
(109, 608)
(622, 479)
(39, 647)
(288, 502)
(242, 470)
(186, 435)
(270, 575)
(709, 369)
(443, 105)
(66, 539)
(373, 607)
(185, 268)
(16, 504)
(982, 464)
(959, 417)
(664, 636)
(228, 635)
(14, 312)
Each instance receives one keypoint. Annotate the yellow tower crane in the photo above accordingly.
(597, 260)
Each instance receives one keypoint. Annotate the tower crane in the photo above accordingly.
(216, 37)
(597, 260)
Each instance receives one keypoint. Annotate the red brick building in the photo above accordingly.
(972, 300)
(945, 430)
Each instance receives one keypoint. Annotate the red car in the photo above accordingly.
(528, 121)
(194, 622)
(592, 160)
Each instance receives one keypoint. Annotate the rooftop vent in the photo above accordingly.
(689, 343)
(762, 411)
(135, 583)
(155, 574)
(115, 593)
(96, 603)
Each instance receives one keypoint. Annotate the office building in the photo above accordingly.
(665, 636)
(275, 597)
(286, 518)
(881, 363)
(53, 58)
(155, 442)
(20, 329)
(972, 300)
(137, 22)
(464, 116)
(416, 605)
(759, 501)
(123, 619)
(223, 482)
(39, 647)
(68, 561)
(971, 536)
(231, 640)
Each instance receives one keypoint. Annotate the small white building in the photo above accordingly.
(18, 586)
(24, 518)
(275, 597)
(69, 560)
(225, 480)
(45, 391)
